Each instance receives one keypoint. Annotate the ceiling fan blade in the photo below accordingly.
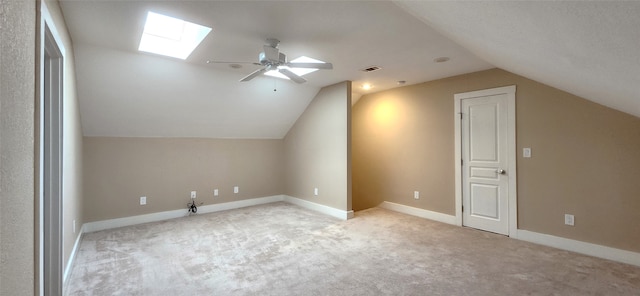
(293, 76)
(253, 74)
(225, 62)
(325, 66)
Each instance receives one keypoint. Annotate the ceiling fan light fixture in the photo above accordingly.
(169, 36)
(297, 71)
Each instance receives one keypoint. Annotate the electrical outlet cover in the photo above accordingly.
(569, 220)
(193, 194)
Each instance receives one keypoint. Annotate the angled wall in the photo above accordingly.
(317, 150)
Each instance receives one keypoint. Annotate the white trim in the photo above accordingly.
(562, 243)
(340, 214)
(239, 204)
(511, 151)
(72, 256)
(590, 249)
(422, 213)
(166, 215)
(47, 24)
(585, 248)
(457, 109)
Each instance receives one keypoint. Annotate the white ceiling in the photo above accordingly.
(123, 92)
(586, 48)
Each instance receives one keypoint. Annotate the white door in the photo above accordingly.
(485, 166)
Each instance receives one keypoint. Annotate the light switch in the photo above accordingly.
(526, 152)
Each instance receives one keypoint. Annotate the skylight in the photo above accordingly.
(298, 71)
(170, 36)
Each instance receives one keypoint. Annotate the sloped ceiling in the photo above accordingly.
(587, 48)
(123, 92)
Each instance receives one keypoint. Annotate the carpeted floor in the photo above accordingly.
(282, 249)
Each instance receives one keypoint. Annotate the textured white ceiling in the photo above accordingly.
(585, 48)
(588, 48)
(126, 93)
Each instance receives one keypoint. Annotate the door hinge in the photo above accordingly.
(461, 161)
(460, 115)
(463, 209)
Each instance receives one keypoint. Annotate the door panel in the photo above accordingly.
(485, 201)
(484, 142)
(482, 132)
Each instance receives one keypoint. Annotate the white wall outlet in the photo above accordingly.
(215, 192)
(236, 189)
(74, 226)
(143, 200)
(526, 152)
(193, 194)
(416, 194)
(569, 219)
(315, 191)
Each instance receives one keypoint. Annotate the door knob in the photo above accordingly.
(501, 171)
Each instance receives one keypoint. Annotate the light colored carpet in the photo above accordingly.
(282, 249)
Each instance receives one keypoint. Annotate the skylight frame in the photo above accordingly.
(170, 36)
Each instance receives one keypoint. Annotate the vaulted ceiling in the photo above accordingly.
(588, 49)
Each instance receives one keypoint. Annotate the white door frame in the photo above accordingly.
(49, 154)
(510, 91)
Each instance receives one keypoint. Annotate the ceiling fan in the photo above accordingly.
(272, 59)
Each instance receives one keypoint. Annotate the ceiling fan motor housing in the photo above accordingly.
(272, 56)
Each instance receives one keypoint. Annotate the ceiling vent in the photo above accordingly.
(370, 69)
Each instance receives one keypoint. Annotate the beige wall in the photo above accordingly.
(585, 157)
(315, 153)
(403, 142)
(317, 149)
(118, 171)
(72, 141)
(17, 108)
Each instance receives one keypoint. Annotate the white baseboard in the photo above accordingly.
(166, 215)
(133, 220)
(581, 247)
(585, 248)
(239, 204)
(422, 213)
(72, 256)
(340, 214)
